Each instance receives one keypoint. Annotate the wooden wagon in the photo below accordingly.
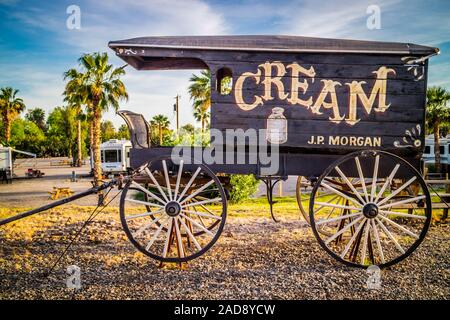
(345, 116)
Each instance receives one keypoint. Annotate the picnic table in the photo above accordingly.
(60, 192)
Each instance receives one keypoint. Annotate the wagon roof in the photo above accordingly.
(274, 44)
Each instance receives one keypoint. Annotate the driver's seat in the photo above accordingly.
(138, 127)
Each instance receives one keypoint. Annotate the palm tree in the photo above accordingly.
(10, 108)
(74, 96)
(200, 92)
(37, 115)
(162, 122)
(100, 88)
(437, 114)
(201, 115)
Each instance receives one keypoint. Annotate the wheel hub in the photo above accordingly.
(370, 210)
(173, 208)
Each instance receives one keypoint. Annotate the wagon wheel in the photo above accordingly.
(303, 194)
(211, 223)
(187, 214)
(382, 224)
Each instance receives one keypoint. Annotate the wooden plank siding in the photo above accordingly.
(405, 95)
(398, 108)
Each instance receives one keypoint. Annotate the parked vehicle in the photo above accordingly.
(7, 160)
(115, 156)
(444, 148)
(345, 116)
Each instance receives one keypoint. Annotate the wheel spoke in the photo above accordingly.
(402, 202)
(154, 196)
(361, 177)
(337, 234)
(145, 227)
(197, 224)
(326, 204)
(169, 231)
(412, 234)
(197, 191)
(202, 214)
(386, 183)
(155, 236)
(365, 238)
(150, 213)
(186, 188)
(374, 178)
(347, 247)
(177, 185)
(190, 234)
(155, 182)
(321, 207)
(332, 210)
(340, 193)
(402, 214)
(205, 208)
(319, 222)
(344, 177)
(191, 204)
(179, 239)
(377, 240)
(393, 194)
(145, 203)
(386, 231)
(166, 175)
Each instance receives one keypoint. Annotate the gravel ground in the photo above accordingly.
(255, 258)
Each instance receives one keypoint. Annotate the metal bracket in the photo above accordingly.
(270, 182)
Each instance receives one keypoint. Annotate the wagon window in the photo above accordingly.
(224, 81)
(427, 150)
(441, 150)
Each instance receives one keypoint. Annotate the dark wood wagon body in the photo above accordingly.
(317, 82)
(347, 117)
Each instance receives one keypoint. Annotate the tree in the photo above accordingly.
(76, 97)
(437, 114)
(37, 115)
(123, 132)
(161, 122)
(10, 107)
(200, 92)
(62, 131)
(27, 136)
(101, 88)
(201, 115)
(108, 131)
(188, 128)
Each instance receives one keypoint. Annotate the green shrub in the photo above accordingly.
(242, 187)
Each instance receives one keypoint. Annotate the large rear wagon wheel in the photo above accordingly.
(383, 222)
(173, 212)
(304, 193)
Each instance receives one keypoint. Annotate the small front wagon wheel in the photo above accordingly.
(380, 222)
(173, 212)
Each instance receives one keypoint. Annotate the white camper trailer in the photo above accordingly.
(7, 162)
(444, 150)
(115, 156)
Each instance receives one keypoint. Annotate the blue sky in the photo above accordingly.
(36, 47)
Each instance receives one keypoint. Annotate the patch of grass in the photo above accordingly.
(259, 207)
